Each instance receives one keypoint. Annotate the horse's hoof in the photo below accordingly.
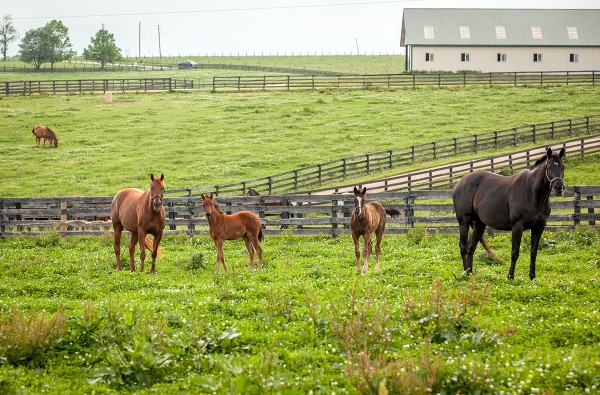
(511, 277)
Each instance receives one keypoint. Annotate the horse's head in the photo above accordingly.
(555, 170)
(157, 191)
(359, 201)
(55, 142)
(208, 204)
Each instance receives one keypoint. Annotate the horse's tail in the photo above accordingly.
(150, 246)
(261, 236)
(392, 212)
(487, 248)
(33, 130)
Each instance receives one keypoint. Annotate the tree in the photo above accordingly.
(34, 47)
(60, 47)
(102, 48)
(8, 34)
(46, 44)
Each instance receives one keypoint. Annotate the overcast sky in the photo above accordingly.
(232, 27)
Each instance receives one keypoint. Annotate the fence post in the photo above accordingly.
(63, 219)
(591, 210)
(534, 132)
(410, 211)
(171, 215)
(576, 207)
(270, 185)
(368, 163)
(391, 158)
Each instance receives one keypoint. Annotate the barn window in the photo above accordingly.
(501, 57)
(574, 58)
(465, 32)
(500, 32)
(428, 31)
(465, 57)
(429, 57)
(572, 32)
(537, 57)
(536, 32)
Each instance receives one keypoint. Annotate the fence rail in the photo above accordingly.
(404, 80)
(312, 177)
(299, 214)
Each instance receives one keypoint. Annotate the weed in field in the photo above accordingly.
(26, 338)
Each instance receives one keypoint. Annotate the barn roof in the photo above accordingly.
(500, 27)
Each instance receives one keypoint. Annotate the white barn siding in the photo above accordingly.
(518, 59)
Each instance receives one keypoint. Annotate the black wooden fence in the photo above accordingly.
(404, 80)
(94, 85)
(312, 177)
(299, 214)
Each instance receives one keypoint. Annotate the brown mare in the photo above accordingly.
(368, 218)
(42, 132)
(514, 203)
(141, 213)
(232, 227)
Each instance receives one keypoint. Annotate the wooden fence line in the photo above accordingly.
(299, 214)
(311, 177)
(404, 80)
(447, 176)
(316, 80)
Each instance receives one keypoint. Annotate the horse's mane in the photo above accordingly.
(218, 207)
(538, 162)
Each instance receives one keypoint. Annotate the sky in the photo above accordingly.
(242, 27)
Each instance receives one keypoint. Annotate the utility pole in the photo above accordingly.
(140, 40)
(159, 50)
(357, 51)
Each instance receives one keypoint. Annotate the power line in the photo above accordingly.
(225, 9)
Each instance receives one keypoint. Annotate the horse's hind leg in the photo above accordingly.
(517, 234)
(258, 249)
(132, 243)
(478, 230)
(118, 229)
(378, 249)
(250, 250)
(463, 243)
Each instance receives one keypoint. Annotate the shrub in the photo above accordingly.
(25, 338)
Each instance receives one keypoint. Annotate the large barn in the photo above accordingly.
(501, 40)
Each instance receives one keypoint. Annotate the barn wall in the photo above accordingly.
(484, 59)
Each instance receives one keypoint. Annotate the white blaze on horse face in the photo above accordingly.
(359, 206)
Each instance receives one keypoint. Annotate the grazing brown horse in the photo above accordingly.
(367, 218)
(231, 227)
(42, 132)
(141, 213)
(514, 203)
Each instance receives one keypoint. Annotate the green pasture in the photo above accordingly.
(70, 323)
(200, 139)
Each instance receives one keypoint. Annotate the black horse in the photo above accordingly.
(515, 203)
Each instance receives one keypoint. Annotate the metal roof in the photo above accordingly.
(522, 27)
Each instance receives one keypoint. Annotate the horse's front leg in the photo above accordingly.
(142, 241)
(155, 244)
(132, 243)
(517, 234)
(220, 256)
(536, 235)
(367, 248)
(356, 240)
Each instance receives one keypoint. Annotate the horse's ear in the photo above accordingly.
(355, 190)
(561, 154)
(151, 177)
(549, 152)
(162, 177)
(364, 191)
(211, 195)
(202, 196)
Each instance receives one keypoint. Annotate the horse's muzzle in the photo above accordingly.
(558, 187)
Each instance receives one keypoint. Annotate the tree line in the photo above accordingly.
(51, 44)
